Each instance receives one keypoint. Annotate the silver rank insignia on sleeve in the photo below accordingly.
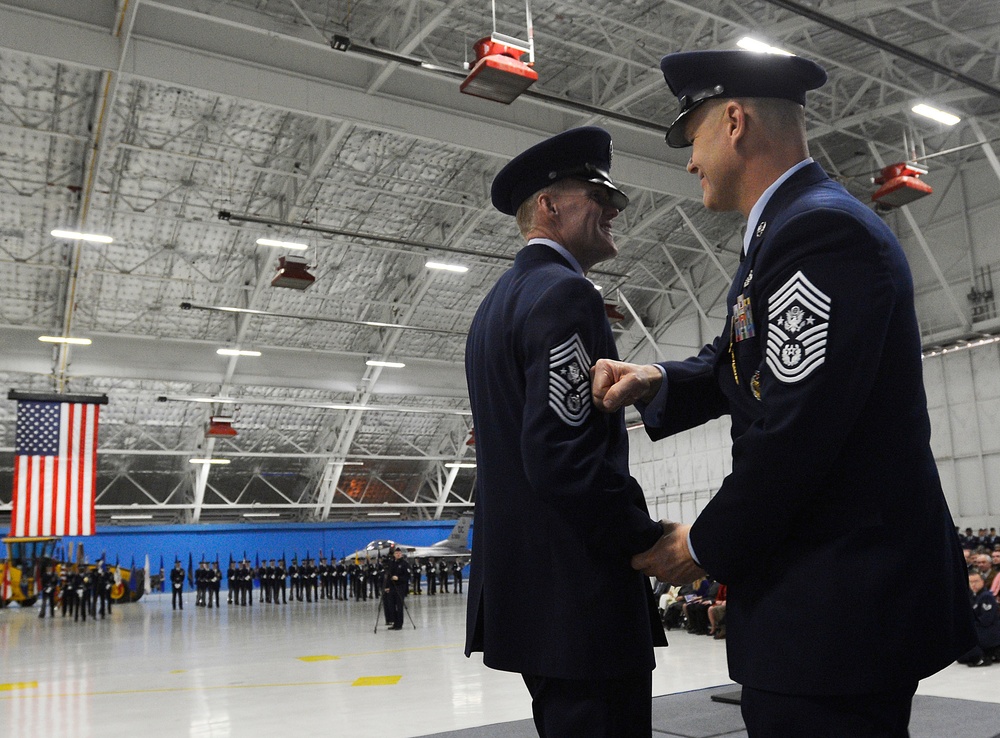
(798, 321)
(569, 381)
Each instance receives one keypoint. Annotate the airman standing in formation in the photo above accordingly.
(177, 586)
(214, 584)
(48, 591)
(279, 583)
(340, 583)
(431, 577)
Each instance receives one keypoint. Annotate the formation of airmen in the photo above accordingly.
(78, 590)
(308, 580)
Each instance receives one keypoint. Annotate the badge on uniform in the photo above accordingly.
(798, 320)
(742, 319)
(569, 381)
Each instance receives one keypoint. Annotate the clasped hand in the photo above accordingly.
(669, 559)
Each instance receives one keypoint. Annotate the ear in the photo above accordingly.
(547, 204)
(735, 120)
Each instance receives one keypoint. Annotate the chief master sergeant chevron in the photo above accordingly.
(833, 490)
(553, 479)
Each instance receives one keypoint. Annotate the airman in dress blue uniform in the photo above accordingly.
(833, 487)
(552, 473)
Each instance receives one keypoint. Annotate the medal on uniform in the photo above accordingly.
(742, 319)
(755, 384)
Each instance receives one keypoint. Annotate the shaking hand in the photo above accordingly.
(669, 560)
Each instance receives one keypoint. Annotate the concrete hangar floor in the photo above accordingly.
(300, 669)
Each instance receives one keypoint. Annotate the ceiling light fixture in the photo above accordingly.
(963, 345)
(236, 352)
(65, 339)
(262, 515)
(384, 514)
(293, 316)
(210, 461)
(934, 114)
(752, 44)
(318, 405)
(76, 236)
(460, 465)
(389, 364)
(231, 217)
(131, 517)
(282, 244)
(446, 267)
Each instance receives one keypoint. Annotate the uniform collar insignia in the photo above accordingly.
(747, 281)
(760, 228)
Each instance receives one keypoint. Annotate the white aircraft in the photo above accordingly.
(453, 548)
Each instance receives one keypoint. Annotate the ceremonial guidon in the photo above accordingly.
(833, 488)
(553, 473)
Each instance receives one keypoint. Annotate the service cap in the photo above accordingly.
(697, 76)
(579, 153)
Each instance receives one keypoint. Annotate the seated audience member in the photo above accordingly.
(665, 595)
(995, 586)
(696, 607)
(717, 615)
(673, 613)
(987, 618)
(984, 565)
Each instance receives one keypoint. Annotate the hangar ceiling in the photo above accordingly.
(144, 119)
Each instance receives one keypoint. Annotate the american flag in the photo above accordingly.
(55, 469)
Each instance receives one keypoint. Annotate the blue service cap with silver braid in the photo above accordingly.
(697, 76)
(579, 153)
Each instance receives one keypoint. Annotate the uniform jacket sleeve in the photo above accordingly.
(582, 468)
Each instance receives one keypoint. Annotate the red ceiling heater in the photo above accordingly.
(220, 426)
(293, 273)
(900, 185)
(499, 74)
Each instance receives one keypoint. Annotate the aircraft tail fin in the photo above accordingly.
(459, 537)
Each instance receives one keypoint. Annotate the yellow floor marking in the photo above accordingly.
(324, 657)
(18, 685)
(177, 671)
(377, 681)
(175, 689)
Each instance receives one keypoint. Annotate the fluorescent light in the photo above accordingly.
(752, 44)
(236, 352)
(210, 461)
(456, 465)
(446, 267)
(962, 346)
(131, 517)
(934, 114)
(65, 339)
(282, 244)
(75, 236)
(261, 515)
(390, 364)
(384, 514)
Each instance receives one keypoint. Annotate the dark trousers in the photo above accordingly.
(592, 708)
(177, 600)
(394, 606)
(880, 715)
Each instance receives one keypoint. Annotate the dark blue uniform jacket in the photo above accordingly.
(558, 516)
(832, 529)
